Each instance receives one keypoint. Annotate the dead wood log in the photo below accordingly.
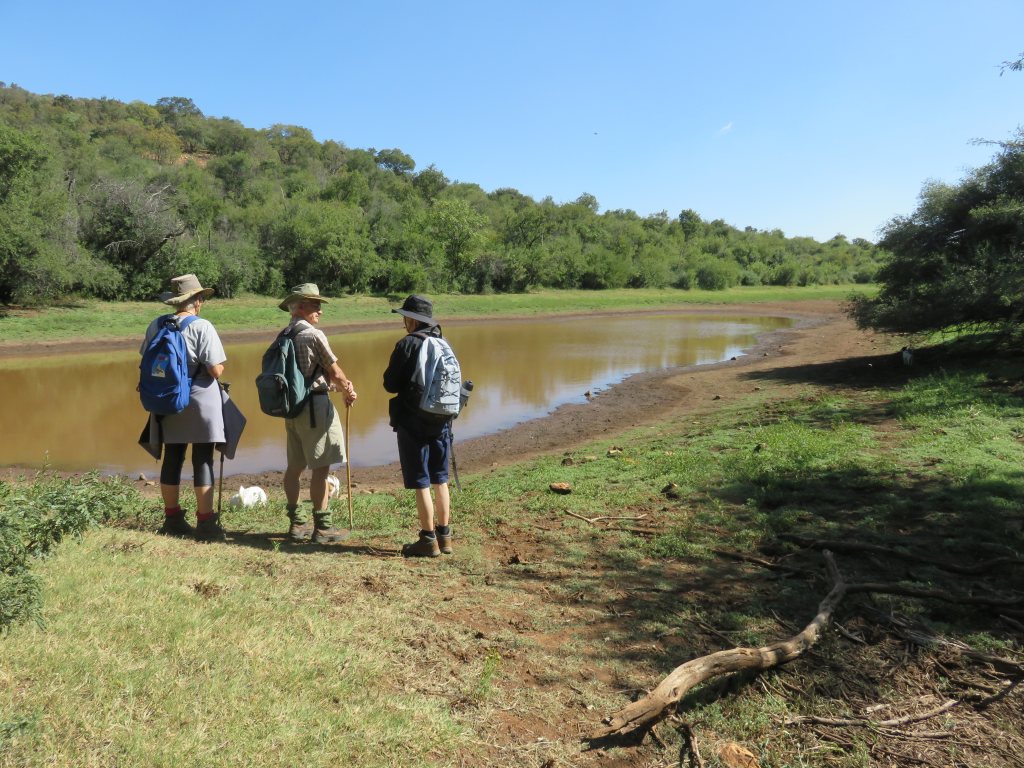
(645, 712)
(836, 545)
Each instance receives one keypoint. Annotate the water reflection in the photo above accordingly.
(83, 412)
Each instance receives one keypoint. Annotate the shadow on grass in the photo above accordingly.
(279, 542)
(655, 612)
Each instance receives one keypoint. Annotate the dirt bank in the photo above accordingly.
(822, 334)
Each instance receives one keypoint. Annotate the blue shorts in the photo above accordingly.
(424, 459)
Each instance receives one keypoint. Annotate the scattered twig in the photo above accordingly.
(688, 750)
(760, 561)
(933, 594)
(865, 723)
(903, 629)
(600, 518)
(1012, 622)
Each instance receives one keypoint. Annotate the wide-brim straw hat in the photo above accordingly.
(304, 292)
(418, 308)
(183, 289)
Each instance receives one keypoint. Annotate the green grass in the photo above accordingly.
(160, 652)
(89, 319)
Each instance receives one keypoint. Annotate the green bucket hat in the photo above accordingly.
(305, 292)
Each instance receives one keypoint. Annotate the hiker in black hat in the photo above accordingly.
(424, 442)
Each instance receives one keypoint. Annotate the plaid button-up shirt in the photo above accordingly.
(313, 351)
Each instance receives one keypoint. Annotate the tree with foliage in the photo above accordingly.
(958, 260)
(39, 256)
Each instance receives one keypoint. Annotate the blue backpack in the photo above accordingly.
(165, 382)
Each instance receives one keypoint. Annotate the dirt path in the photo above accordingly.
(822, 334)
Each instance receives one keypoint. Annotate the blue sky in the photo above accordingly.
(811, 117)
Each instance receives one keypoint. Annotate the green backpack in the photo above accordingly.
(282, 388)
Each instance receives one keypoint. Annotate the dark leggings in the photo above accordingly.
(174, 460)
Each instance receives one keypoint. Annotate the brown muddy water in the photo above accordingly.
(82, 412)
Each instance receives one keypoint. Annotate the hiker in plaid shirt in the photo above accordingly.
(315, 437)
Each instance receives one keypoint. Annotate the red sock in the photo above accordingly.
(204, 516)
(172, 511)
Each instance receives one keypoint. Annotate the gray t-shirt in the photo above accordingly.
(201, 340)
(202, 421)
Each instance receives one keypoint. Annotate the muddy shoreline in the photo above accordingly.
(821, 332)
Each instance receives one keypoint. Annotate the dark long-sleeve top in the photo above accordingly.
(403, 409)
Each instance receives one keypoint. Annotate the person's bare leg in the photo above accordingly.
(204, 500)
(170, 494)
(425, 509)
(318, 493)
(442, 504)
(291, 485)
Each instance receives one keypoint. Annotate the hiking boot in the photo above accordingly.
(444, 543)
(300, 532)
(210, 530)
(330, 535)
(177, 525)
(424, 547)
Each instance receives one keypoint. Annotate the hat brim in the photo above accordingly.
(302, 297)
(416, 316)
(202, 293)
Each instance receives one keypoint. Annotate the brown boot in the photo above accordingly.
(300, 532)
(444, 543)
(426, 546)
(330, 535)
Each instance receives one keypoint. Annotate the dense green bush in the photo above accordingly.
(36, 516)
(958, 260)
(107, 199)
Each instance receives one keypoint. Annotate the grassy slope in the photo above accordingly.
(159, 652)
(108, 320)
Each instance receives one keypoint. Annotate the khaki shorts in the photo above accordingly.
(318, 446)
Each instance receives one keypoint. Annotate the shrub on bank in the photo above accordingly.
(37, 516)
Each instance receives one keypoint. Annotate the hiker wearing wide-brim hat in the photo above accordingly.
(201, 423)
(315, 438)
(185, 288)
(304, 292)
(418, 308)
(424, 444)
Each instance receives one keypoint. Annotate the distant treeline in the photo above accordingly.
(106, 199)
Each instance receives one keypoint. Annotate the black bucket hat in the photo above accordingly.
(418, 308)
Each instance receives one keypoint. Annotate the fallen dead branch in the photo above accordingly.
(643, 713)
(905, 630)
(836, 545)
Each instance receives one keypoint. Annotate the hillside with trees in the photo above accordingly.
(100, 198)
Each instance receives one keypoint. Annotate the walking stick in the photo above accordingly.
(348, 462)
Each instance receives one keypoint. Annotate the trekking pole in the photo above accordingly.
(455, 464)
(348, 462)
